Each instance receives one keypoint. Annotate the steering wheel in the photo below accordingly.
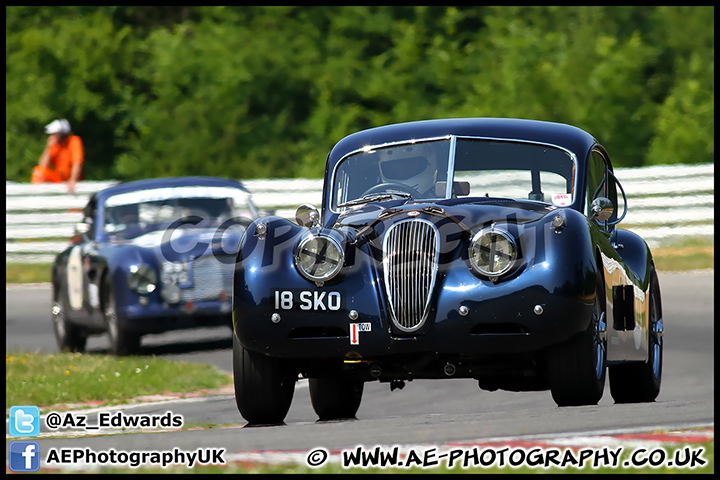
(389, 187)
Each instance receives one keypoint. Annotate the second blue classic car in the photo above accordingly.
(150, 256)
(457, 248)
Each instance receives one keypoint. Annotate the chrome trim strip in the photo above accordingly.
(451, 167)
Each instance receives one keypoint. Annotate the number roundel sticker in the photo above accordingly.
(75, 279)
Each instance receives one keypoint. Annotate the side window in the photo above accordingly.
(597, 181)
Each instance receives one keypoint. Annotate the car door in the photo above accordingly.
(82, 270)
(621, 287)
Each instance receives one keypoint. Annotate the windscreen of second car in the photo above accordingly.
(482, 168)
(135, 213)
(517, 170)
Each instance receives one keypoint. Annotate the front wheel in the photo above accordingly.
(122, 340)
(264, 387)
(640, 382)
(335, 398)
(576, 369)
(69, 336)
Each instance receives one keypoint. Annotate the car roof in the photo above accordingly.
(150, 183)
(569, 137)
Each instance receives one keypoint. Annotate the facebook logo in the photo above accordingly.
(24, 421)
(24, 456)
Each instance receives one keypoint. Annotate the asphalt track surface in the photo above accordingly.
(429, 412)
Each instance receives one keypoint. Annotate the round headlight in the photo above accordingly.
(142, 279)
(319, 257)
(492, 252)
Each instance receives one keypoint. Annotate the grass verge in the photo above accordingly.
(62, 378)
(27, 273)
(690, 254)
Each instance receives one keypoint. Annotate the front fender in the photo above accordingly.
(273, 301)
(636, 255)
(118, 260)
(557, 270)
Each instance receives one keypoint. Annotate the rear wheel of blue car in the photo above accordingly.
(640, 382)
(335, 398)
(122, 340)
(69, 336)
(576, 369)
(264, 387)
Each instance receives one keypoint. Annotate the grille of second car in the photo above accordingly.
(410, 260)
(211, 277)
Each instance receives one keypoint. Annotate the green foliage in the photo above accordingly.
(249, 92)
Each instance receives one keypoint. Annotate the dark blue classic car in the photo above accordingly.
(458, 248)
(150, 256)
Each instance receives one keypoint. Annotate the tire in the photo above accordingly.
(69, 337)
(577, 368)
(335, 398)
(264, 388)
(122, 340)
(640, 382)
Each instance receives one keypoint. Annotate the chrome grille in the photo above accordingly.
(211, 278)
(410, 260)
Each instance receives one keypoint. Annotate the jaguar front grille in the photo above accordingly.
(410, 259)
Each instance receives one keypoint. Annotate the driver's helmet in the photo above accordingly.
(413, 165)
(124, 214)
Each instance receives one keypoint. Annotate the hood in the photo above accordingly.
(183, 243)
(470, 211)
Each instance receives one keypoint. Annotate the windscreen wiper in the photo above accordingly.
(374, 198)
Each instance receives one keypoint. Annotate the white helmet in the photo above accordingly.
(413, 165)
(60, 126)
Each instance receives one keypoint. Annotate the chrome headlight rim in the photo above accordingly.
(489, 270)
(142, 279)
(301, 251)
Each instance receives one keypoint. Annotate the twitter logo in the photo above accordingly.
(24, 421)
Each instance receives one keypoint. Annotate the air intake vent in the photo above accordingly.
(410, 260)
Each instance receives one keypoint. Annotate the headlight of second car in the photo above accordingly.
(492, 252)
(142, 279)
(319, 257)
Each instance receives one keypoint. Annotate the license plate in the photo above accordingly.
(178, 273)
(309, 300)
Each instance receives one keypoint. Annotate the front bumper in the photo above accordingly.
(496, 326)
(160, 317)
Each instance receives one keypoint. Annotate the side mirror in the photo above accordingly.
(601, 208)
(80, 229)
(307, 216)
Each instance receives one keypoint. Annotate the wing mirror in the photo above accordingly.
(601, 209)
(307, 216)
(81, 229)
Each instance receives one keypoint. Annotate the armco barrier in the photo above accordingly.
(666, 203)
